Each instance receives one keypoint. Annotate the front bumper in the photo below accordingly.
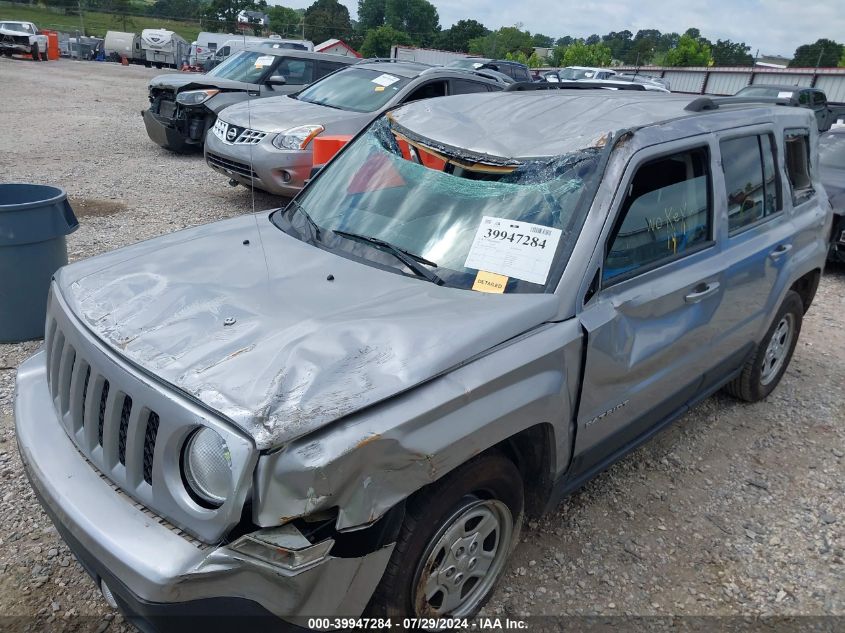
(165, 132)
(152, 568)
(282, 172)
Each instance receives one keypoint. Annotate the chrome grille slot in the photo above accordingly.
(149, 446)
(101, 419)
(56, 347)
(125, 411)
(65, 372)
(84, 395)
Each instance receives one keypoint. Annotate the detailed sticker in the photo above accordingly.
(264, 60)
(379, 89)
(514, 249)
(785, 95)
(489, 282)
(385, 80)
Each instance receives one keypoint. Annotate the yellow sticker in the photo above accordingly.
(379, 88)
(490, 282)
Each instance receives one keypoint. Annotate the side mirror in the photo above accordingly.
(276, 80)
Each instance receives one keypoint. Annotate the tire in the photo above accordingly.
(478, 494)
(33, 51)
(763, 371)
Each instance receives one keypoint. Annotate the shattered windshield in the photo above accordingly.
(499, 226)
(245, 66)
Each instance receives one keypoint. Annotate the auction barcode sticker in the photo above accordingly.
(516, 249)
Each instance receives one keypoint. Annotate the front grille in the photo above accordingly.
(131, 428)
(234, 135)
(100, 414)
(230, 166)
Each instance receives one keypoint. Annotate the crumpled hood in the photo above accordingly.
(260, 335)
(189, 81)
(276, 114)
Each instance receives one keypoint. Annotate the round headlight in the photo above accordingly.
(207, 466)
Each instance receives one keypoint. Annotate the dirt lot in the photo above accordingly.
(736, 510)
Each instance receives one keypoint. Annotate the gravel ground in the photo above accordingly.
(735, 510)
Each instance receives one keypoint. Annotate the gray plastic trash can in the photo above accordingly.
(34, 220)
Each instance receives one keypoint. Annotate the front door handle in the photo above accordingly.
(702, 291)
(780, 251)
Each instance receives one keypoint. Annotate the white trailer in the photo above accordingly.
(425, 55)
(126, 45)
(163, 48)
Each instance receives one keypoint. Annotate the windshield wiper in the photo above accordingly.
(409, 259)
(315, 228)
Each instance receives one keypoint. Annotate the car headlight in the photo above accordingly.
(195, 97)
(207, 466)
(297, 137)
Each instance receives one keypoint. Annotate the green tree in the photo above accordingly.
(564, 41)
(326, 19)
(543, 41)
(122, 11)
(417, 18)
(457, 37)
(535, 61)
(842, 61)
(690, 51)
(593, 39)
(225, 12)
(378, 41)
(285, 21)
(370, 14)
(518, 56)
(642, 47)
(583, 54)
(667, 41)
(823, 53)
(728, 53)
(618, 43)
(497, 44)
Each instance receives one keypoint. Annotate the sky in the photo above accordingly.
(772, 26)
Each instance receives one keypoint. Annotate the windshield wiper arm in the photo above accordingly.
(410, 260)
(315, 228)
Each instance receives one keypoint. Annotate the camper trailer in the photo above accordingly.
(206, 45)
(119, 44)
(163, 48)
(235, 44)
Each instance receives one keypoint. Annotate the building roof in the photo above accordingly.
(336, 42)
(534, 124)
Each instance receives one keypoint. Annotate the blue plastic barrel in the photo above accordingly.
(34, 220)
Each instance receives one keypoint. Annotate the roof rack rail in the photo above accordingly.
(702, 104)
(391, 59)
(522, 86)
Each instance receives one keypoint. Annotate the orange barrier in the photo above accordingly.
(53, 52)
(325, 147)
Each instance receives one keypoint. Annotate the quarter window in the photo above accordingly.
(750, 179)
(463, 86)
(797, 158)
(666, 213)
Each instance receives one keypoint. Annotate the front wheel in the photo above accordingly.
(763, 371)
(454, 542)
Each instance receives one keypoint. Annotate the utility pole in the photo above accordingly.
(819, 59)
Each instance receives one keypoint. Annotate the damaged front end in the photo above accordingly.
(175, 125)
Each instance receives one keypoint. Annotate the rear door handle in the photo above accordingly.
(702, 291)
(780, 251)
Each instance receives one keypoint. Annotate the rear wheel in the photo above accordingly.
(454, 542)
(763, 371)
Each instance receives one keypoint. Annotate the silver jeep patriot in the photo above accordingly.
(345, 408)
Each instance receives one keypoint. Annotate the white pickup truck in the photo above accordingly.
(21, 38)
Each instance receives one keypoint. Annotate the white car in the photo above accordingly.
(17, 38)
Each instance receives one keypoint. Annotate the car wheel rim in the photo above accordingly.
(777, 349)
(463, 560)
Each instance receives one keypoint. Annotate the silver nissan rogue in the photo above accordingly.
(347, 406)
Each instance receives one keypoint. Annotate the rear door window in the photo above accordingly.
(666, 213)
(748, 163)
(427, 91)
(796, 145)
(464, 86)
(297, 72)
